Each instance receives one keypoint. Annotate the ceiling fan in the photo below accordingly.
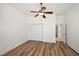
(42, 11)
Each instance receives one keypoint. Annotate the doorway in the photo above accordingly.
(60, 32)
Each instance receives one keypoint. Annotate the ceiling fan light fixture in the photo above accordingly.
(41, 14)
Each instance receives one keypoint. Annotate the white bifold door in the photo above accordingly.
(36, 32)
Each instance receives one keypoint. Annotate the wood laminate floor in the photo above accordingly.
(38, 48)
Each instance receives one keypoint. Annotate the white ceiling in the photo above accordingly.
(58, 8)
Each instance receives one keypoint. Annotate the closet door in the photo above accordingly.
(36, 32)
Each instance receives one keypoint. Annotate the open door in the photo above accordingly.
(60, 32)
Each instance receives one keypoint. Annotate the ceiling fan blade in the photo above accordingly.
(48, 12)
(35, 11)
(36, 15)
(44, 16)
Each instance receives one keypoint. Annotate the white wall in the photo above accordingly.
(12, 28)
(72, 28)
(60, 19)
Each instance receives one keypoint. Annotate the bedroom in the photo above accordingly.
(19, 27)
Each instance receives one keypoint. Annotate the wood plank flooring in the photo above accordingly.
(38, 48)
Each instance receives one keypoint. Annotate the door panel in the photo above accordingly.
(36, 32)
